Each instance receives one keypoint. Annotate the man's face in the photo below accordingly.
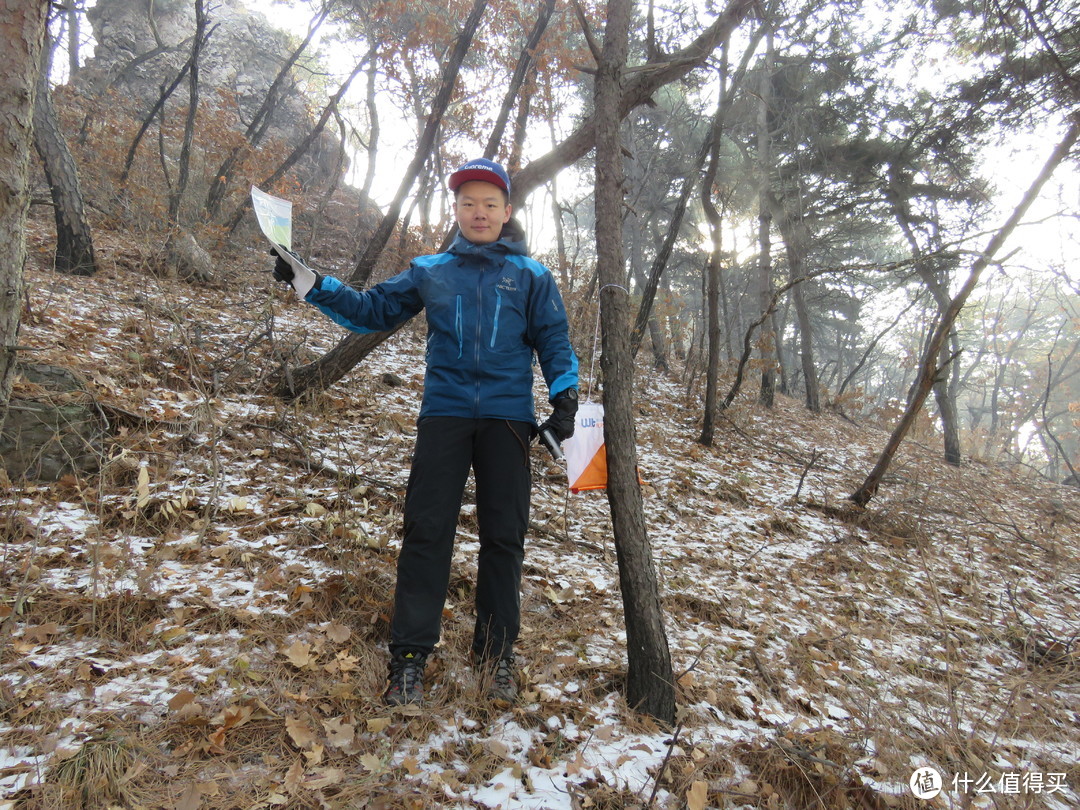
(481, 210)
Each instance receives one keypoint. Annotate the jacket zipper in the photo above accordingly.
(457, 328)
(479, 335)
(495, 328)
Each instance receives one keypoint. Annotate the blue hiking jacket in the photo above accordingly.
(489, 309)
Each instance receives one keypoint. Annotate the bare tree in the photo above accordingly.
(74, 244)
(525, 63)
(260, 122)
(648, 294)
(712, 276)
(650, 685)
(373, 130)
(929, 370)
(764, 275)
(166, 92)
(796, 238)
(189, 122)
(24, 38)
(301, 148)
(713, 283)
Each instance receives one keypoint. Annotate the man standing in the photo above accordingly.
(490, 309)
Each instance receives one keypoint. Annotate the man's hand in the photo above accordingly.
(291, 269)
(561, 421)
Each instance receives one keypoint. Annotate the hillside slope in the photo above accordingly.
(203, 624)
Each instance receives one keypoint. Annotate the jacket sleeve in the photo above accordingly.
(378, 309)
(549, 334)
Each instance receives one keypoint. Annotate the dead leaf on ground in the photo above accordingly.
(697, 796)
(338, 732)
(338, 633)
(190, 799)
(324, 777)
(300, 654)
(300, 731)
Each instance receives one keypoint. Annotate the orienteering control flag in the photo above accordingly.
(586, 456)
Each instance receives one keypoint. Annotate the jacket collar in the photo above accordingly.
(510, 241)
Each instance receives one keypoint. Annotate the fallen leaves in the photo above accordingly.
(40, 633)
(300, 654)
(697, 797)
(338, 732)
(377, 725)
(180, 700)
(142, 487)
(300, 731)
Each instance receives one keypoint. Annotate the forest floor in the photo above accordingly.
(203, 623)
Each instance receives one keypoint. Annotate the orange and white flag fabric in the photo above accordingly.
(586, 456)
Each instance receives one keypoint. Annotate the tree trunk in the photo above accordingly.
(335, 364)
(373, 136)
(521, 124)
(943, 385)
(944, 390)
(659, 345)
(712, 282)
(945, 397)
(769, 348)
(796, 244)
(650, 684)
(928, 371)
(74, 12)
(74, 245)
(24, 38)
(712, 368)
(189, 123)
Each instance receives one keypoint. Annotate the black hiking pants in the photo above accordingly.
(497, 451)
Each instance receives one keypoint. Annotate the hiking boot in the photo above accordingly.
(502, 683)
(406, 679)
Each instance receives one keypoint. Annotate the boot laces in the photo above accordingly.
(502, 675)
(407, 674)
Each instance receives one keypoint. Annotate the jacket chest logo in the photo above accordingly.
(507, 284)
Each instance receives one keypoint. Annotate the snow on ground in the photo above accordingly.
(216, 599)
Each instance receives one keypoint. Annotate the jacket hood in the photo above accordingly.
(511, 240)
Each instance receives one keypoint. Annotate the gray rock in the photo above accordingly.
(187, 259)
(59, 433)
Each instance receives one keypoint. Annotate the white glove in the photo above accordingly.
(291, 269)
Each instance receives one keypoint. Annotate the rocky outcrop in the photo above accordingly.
(137, 53)
(52, 428)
